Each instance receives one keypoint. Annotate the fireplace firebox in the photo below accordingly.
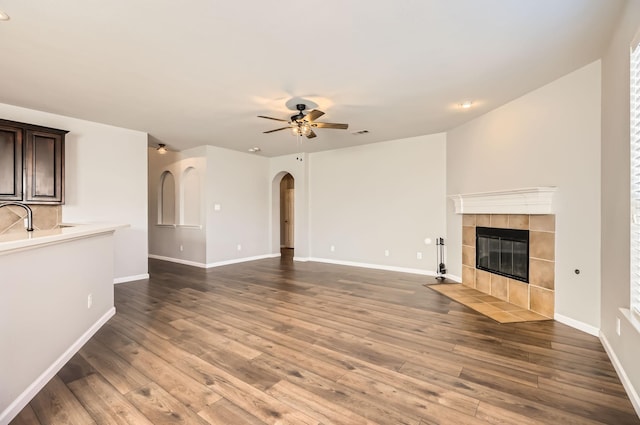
(503, 251)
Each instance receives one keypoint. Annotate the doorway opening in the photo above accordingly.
(287, 201)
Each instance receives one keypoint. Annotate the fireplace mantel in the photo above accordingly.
(532, 200)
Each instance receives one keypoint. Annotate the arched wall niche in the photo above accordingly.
(167, 198)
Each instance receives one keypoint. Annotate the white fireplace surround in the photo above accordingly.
(531, 200)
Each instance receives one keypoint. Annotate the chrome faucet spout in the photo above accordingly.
(26, 207)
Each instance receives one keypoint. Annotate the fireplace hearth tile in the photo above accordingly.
(542, 273)
(492, 307)
(542, 245)
(542, 223)
(500, 221)
(519, 221)
(483, 220)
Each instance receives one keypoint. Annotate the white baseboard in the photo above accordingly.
(624, 378)
(375, 266)
(581, 326)
(178, 260)
(130, 278)
(301, 259)
(214, 264)
(240, 260)
(453, 277)
(23, 399)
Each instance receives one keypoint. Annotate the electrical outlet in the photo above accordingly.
(181, 248)
(419, 255)
(386, 252)
(239, 247)
(332, 248)
(89, 301)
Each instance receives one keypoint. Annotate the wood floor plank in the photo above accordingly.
(56, 405)
(162, 408)
(105, 403)
(283, 342)
(224, 412)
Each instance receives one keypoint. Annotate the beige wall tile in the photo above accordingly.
(519, 221)
(542, 273)
(543, 223)
(500, 220)
(483, 281)
(469, 276)
(483, 220)
(542, 301)
(499, 286)
(469, 256)
(542, 245)
(468, 219)
(469, 235)
(519, 293)
(46, 217)
(8, 218)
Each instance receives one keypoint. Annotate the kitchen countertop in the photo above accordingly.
(19, 241)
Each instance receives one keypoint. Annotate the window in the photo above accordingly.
(635, 178)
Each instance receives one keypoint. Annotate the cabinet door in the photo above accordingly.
(10, 163)
(44, 165)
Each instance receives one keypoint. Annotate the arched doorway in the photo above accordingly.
(287, 214)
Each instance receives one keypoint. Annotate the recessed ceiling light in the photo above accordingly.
(466, 104)
(4, 16)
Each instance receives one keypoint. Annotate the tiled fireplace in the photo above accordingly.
(528, 209)
(538, 294)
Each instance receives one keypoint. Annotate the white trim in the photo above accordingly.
(241, 260)
(375, 266)
(23, 399)
(624, 378)
(177, 260)
(581, 326)
(532, 200)
(215, 264)
(453, 277)
(130, 278)
(301, 259)
(632, 318)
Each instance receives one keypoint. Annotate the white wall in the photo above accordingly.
(44, 318)
(384, 196)
(238, 183)
(549, 137)
(615, 201)
(164, 240)
(106, 180)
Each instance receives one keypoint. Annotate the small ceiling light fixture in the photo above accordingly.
(162, 149)
(254, 149)
(466, 104)
(4, 16)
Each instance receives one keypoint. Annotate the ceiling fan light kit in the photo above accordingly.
(302, 124)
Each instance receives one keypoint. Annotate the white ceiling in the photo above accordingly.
(199, 71)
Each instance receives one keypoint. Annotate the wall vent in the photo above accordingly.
(359, 132)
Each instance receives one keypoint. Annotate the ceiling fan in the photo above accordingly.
(303, 124)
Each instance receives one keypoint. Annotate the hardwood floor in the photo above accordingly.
(278, 342)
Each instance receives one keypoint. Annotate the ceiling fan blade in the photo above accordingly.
(314, 115)
(275, 119)
(330, 125)
(311, 135)
(277, 129)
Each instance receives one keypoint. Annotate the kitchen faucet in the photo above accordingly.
(26, 207)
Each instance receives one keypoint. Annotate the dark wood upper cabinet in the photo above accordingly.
(31, 163)
(10, 163)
